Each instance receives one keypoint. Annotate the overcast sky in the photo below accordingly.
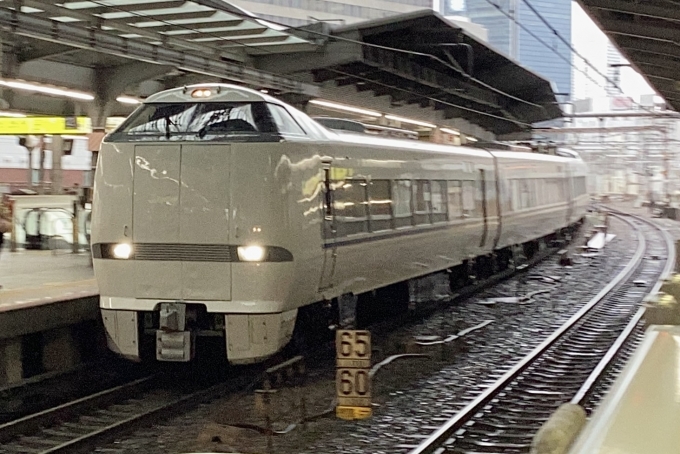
(591, 43)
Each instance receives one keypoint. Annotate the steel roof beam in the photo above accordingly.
(253, 40)
(643, 30)
(93, 39)
(146, 6)
(166, 17)
(665, 49)
(638, 8)
(194, 26)
(27, 53)
(655, 71)
(50, 8)
(404, 67)
(221, 36)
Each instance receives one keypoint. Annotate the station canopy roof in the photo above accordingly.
(648, 34)
(423, 58)
(209, 37)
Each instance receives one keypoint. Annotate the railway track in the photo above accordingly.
(568, 366)
(44, 391)
(83, 424)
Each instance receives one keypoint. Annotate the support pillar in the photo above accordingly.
(56, 174)
(60, 351)
(11, 366)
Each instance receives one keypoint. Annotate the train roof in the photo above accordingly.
(213, 92)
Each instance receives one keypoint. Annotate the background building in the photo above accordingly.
(540, 50)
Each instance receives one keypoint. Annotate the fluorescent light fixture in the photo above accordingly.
(47, 90)
(128, 100)
(408, 120)
(449, 131)
(4, 113)
(470, 139)
(336, 106)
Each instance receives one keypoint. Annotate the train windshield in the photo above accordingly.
(232, 121)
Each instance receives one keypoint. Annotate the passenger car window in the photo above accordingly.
(380, 204)
(422, 201)
(349, 203)
(438, 190)
(401, 195)
(455, 200)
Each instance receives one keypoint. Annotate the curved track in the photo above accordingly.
(504, 418)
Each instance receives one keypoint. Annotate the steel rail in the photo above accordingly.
(34, 422)
(441, 435)
(108, 433)
(597, 373)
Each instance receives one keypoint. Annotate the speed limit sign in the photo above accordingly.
(353, 383)
(353, 349)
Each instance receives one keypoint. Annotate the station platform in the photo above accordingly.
(49, 313)
(31, 278)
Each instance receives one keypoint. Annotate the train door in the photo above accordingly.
(485, 210)
(329, 230)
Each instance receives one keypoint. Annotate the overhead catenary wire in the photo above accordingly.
(537, 38)
(567, 43)
(447, 103)
(329, 36)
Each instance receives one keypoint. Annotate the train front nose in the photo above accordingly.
(180, 228)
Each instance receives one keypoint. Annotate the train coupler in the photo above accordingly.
(173, 341)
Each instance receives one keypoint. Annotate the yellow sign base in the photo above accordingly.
(352, 413)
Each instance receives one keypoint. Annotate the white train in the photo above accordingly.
(222, 212)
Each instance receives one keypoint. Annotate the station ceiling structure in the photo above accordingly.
(207, 37)
(107, 46)
(648, 34)
(421, 58)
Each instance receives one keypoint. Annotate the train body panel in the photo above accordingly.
(231, 237)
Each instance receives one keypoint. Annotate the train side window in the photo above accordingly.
(349, 203)
(438, 190)
(423, 201)
(401, 196)
(380, 205)
(454, 198)
(469, 193)
(285, 123)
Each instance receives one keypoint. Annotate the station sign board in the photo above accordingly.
(353, 383)
(20, 126)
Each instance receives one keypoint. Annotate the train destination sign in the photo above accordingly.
(19, 126)
(353, 383)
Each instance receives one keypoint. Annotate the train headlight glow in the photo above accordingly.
(201, 93)
(251, 253)
(122, 251)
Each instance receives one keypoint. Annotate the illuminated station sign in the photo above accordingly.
(19, 126)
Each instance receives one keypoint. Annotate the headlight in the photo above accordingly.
(251, 253)
(122, 251)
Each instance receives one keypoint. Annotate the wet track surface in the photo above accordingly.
(508, 419)
(413, 396)
(465, 348)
